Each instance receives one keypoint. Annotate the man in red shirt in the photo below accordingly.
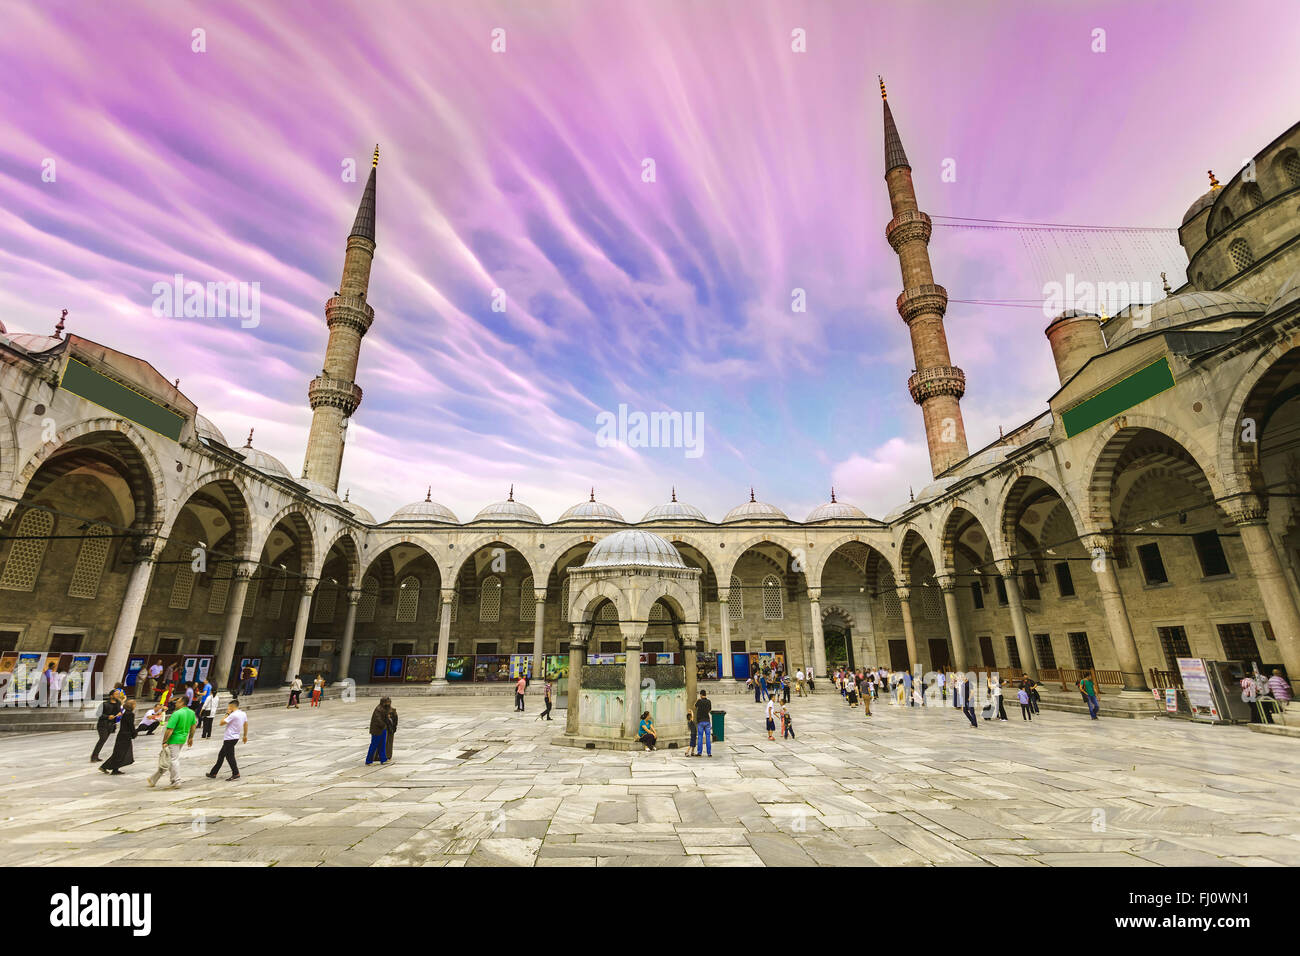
(520, 686)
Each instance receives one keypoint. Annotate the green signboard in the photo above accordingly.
(82, 380)
(1120, 397)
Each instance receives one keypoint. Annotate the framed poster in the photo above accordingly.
(521, 665)
(396, 667)
(1196, 683)
(133, 668)
(190, 669)
(379, 668)
(557, 667)
(460, 668)
(205, 665)
(421, 668)
(27, 672)
(80, 671)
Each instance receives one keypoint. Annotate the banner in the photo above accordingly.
(1196, 683)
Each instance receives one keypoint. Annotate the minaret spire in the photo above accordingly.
(334, 394)
(937, 385)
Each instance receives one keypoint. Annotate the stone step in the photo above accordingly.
(1280, 730)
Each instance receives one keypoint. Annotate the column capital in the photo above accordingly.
(147, 546)
(308, 585)
(242, 570)
(903, 593)
(633, 633)
(814, 594)
(1245, 508)
(1006, 567)
(354, 595)
(581, 633)
(539, 595)
(448, 595)
(947, 581)
(1107, 542)
(724, 594)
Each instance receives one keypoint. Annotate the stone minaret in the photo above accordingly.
(333, 394)
(937, 385)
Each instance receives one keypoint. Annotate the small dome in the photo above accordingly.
(592, 510)
(426, 510)
(361, 514)
(207, 431)
(935, 489)
(987, 459)
(634, 548)
(833, 510)
(674, 511)
(322, 493)
(1206, 201)
(1189, 308)
(1288, 295)
(509, 510)
(897, 512)
(261, 461)
(753, 510)
(35, 343)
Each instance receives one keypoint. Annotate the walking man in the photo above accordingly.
(106, 723)
(703, 724)
(964, 695)
(236, 724)
(520, 686)
(178, 733)
(546, 693)
(1089, 691)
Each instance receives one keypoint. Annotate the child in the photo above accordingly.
(853, 691)
(1026, 711)
(787, 725)
(317, 689)
(690, 726)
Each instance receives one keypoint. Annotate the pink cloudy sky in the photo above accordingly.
(521, 171)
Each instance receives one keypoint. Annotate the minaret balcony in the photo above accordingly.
(351, 311)
(922, 300)
(937, 380)
(335, 393)
(908, 225)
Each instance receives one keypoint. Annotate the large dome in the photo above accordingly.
(509, 510)
(753, 510)
(260, 460)
(1189, 308)
(592, 510)
(426, 510)
(674, 510)
(634, 548)
(833, 510)
(1204, 202)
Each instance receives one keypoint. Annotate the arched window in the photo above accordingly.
(28, 551)
(408, 600)
(250, 596)
(736, 601)
(931, 604)
(773, 605)
(455, 604)
(489, 604)
(279, 584)
(369, 601)
(527, 604)
(659, 614)
(327, 599)
(1225, 218)
(90, 562)
(608, 614)
(564, 598)
(1242, 257)
(1254, 194)
(182, 588)
(1288, 166)
(220, 588)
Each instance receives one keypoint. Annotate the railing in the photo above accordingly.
(1166, 680)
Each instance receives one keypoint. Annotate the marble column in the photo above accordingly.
(690, 637)
(633, 634)
(1249, 514)
(909, 633)
(300, 629)
(578, 638)
(240, 573)
(724, 619)
(1019, 623)
(539, 628)
(128, 616)
(444, 634)
(1102, 548)
(819, 637)
(948, 585)
(349, 628)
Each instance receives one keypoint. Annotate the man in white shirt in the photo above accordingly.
(798, 681)
(236, 724)
(771, 718)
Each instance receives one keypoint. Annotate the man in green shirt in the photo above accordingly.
(1089, 691)
(178, 733)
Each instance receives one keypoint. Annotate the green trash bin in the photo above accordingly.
(719, 720)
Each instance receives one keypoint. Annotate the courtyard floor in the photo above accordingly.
(473, 783)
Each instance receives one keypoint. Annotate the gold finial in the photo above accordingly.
(1214, 183)
(882, 86)
(375, 163)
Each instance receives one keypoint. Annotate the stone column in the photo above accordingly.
(349, 628)
(1024, 646)
(1102, 548)
(299, 629)
(724, 618)
(128, 616)
(444, 634)
(913, 660)
(819, 638)
(240, 573)
(948, 585)
(539, 614)
(1249, 514)
(690, 636)
(633, 633)
(577, 659)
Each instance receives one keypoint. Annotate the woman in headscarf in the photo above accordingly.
(123, 754)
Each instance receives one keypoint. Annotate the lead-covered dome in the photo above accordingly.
(1204, 202)
(835, 510)
(509, 510)
(1288, 295)
(321, 492)
(634, 548)
(260, 460)
(426, 510)
(1189, 308)
(592, 510)
(674, 510)
(753, 510)
(208, 432)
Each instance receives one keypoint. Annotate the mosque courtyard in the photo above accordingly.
(473, 783)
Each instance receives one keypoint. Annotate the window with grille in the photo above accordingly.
(1254, 194)
(1080, 650)
(369, 601)
(1029, 583)
(169, 645)
(608, 614)
(250, 596)
(1043, 645)
(610, 647)
(327, 599)
(1064, 580)
(659, 614)
(736, 601)
(1013, 652)
(524, 647)
(893, 604)
(527, 604)
(1001, 585)
(1242, 257)
(279, 585)
(1239, 642)
(408, 600)
(564, 598)
(27, 552)
(932, 603)
(977, 595)
(1291, 166)
(1173, 641)
(220, 588)
(90, 562)
(455, 605)
(182, 587)
(773, 605)
(1209, 551)
(489, 605)
(1153, 566)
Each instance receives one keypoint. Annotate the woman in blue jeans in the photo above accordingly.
(379, 723)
